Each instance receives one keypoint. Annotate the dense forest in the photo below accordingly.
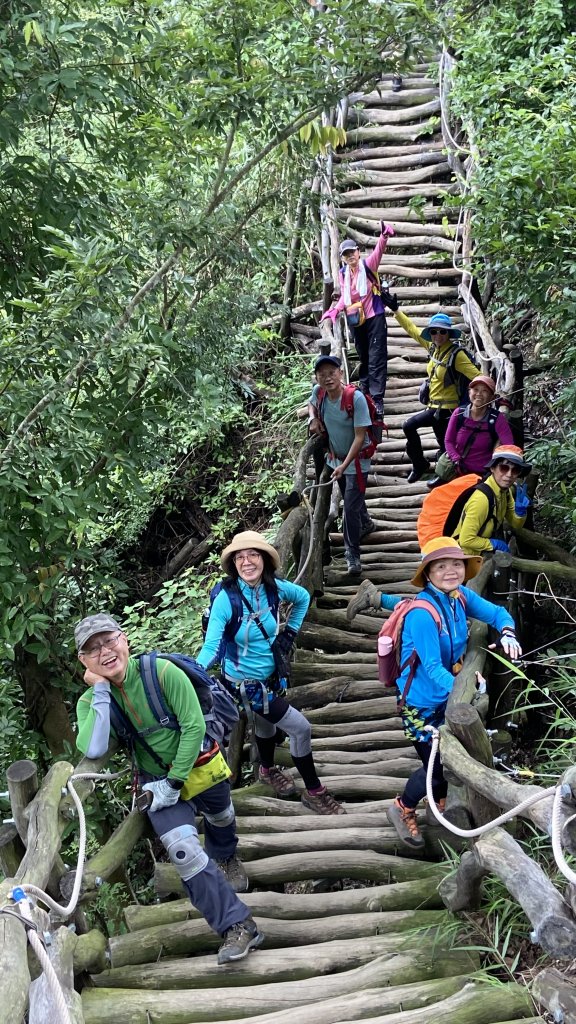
(155, 158)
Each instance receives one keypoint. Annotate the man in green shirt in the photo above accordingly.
(111, 673)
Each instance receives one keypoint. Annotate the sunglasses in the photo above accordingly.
(509, 468)
(437, 330)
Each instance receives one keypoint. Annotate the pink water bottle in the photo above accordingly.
(386, 660)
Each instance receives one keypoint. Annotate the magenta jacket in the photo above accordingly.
(372, 303)
(484, 442)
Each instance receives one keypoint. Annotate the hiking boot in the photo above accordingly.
(282, 783)
(418, 470)
(354, 565)
(431, 819)
(367, 596)
(434, 482)
(322, 803)
(403, 820)
(396, 83)
(234, 873)
(239, 940)
(369, 528)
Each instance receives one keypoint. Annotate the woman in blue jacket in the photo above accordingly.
(442, 571)
(242, 629)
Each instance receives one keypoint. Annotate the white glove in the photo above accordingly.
(163, 793)
(510, 645)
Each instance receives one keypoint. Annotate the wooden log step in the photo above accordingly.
(380, 840)
(397, 163)
(392, 133)
(393, 193)
(321, 731)
(404, 214)
(317, 636)
(468, 1006)
(418, 892)
(386, 98)
(149, 944)
(338, 619)
(375, 986)
(399, 768)
(389, 151)
(367, 758)
(377, 708)
(314, 684)
(366, 175)
(366, 866)
(271, 824)
(401, 116)
(368, 231)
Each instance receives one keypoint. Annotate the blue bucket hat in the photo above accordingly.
(444, 322)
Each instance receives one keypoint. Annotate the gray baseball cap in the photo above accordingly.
(92, 624)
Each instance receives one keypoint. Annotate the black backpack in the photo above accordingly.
(453, 517)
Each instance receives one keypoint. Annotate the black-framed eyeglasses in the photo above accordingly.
(96, 649)
(437, 330)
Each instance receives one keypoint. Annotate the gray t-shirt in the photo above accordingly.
(340, 427)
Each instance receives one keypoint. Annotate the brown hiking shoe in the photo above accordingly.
(367, 596)
(234, 873)
(322, 803)
(239, 940)
(431, 818)
(404, 821)
(282, 783)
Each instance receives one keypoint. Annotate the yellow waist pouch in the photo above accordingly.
(209, 769)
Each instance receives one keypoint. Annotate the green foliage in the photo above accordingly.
(515, 90)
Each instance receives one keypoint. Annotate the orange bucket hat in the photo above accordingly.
(445, 547)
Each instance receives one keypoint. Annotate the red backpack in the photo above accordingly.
(374, 431)
(390, 643)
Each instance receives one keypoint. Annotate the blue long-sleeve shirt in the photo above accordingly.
(438, 652)
(253, 654)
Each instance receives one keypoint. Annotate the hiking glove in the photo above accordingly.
(510, 644)
(386, 229)
(521, 500)
(163, 794)
(499, 545)
(389, 300)
(285, 639)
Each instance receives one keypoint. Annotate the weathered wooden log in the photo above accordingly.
(326, 637)
(386, 98)
(401, 115)
(89, 953)
(501, 789)
(291, 965)
(465, 724)
(417, 893)
(390, 193)
(361, 983)
(375, 867)
(366, 175)
(148, 944)
(290, 529)
(347, 728)
(359, 682)
(398, 768)
(110, 856)
(394, 133)
(546, 546)
(377, 840)
(22, 779)
(345, 787)
(12, 849)
(554, 569)
(379, 707)
(554, 926)
(474, 1003)
(557, 993)
(44, 827)
(43, 1006)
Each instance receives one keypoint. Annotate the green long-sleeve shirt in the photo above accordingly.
(178, 750)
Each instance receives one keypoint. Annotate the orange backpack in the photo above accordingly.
(442, 508)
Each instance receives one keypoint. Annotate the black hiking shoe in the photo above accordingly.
(234, 873)
(239, 940)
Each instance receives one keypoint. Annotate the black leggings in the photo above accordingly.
(435, 418)
(415, 788)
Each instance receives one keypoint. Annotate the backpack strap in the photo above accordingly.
(154, 695)
(128, 734)
(489, 494)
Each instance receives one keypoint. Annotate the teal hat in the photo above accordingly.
(444, 322)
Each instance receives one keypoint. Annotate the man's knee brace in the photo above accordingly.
(184, 850)
(223, 818)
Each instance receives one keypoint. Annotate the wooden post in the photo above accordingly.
(293, 253)
(515, 417)
(464, 722)
(11, 849)
(235, 750)
(22, 779)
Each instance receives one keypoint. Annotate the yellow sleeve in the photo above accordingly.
(411, 329)
(465, 366)
(473, 516)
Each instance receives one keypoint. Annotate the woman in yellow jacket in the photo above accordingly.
(483, 516)
(447, 363)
